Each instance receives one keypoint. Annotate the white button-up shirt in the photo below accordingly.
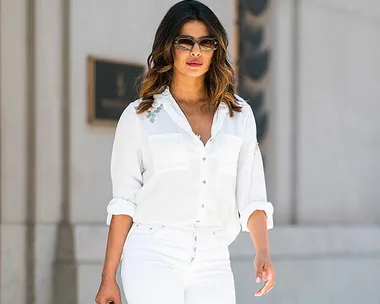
(162, 172)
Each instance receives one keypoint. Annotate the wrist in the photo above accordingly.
(263, 252)
(108, 276)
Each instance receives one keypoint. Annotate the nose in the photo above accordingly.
(196, 51)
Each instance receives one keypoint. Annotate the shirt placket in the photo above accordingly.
(204, 186)
(179, 118)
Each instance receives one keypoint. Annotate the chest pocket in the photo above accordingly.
(168, 152)
(228, 161)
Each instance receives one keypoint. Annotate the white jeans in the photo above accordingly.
(176, 265)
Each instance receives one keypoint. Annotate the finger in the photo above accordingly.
(268, 285)
(267, 288)
(270, 274)
(107, 300)
(101, 301)
(267, 275)
(264, 276)
(263, 290)
(259, 273)
(259, 292)
(117, 300)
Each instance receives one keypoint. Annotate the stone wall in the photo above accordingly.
(321, 146)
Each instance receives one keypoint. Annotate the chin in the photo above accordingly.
(195, 73)
(191, 72)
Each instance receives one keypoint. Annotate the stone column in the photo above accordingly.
(282, 93)
(37, 252)
(15, 189)
(55, 275)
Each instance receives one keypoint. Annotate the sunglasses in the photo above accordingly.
(186, 43)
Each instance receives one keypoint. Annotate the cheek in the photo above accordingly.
(179, 58)
(207, 59)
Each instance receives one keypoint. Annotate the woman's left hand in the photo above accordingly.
(264, 272)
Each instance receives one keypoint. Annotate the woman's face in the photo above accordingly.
(194, 62)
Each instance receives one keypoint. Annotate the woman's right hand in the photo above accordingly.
(109, 292)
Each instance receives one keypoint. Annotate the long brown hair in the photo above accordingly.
(220, 79)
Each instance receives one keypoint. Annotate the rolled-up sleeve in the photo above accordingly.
(251, 194)
(126, 165)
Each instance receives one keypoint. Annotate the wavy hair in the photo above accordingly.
(220, 80)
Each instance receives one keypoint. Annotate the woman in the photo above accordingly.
(187, 174)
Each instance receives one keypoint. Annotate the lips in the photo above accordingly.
(194, 63)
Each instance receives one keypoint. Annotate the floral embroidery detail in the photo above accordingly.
(151, 113)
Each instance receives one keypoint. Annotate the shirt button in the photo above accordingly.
(204, 182)
(204, 158)
(203, 205)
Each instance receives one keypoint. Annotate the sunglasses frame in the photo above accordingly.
(194, 40)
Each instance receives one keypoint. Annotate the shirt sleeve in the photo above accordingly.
(251, 194)
(126, 165)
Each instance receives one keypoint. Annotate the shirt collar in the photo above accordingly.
(177, 115)
(165, 98)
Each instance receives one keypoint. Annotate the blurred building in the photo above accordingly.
(314, 82)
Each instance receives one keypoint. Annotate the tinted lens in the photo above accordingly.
(207, 44)
(185, 43)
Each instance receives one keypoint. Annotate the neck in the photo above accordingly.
(188, 89)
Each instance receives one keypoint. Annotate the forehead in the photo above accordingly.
(195, 29)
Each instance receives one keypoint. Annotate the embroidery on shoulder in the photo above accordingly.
(152, 112)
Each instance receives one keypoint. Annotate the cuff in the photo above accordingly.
(252, 207)
(119, 206)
